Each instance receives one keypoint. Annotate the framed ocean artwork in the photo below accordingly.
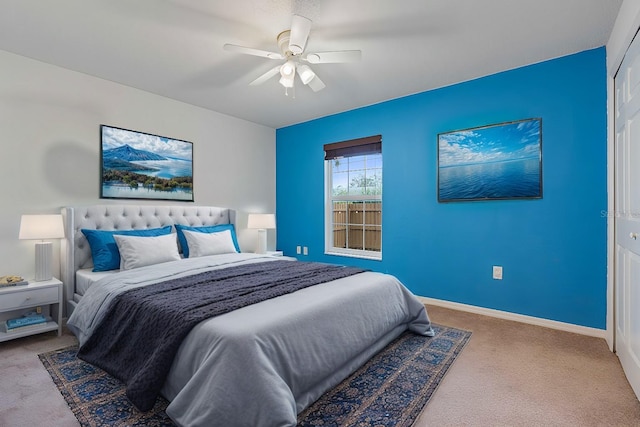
(493, 162)
(138, 165)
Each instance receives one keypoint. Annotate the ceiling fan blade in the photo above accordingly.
(300, 28)
(316, 84)
(266, 76)
(339, 56)
(252, 51)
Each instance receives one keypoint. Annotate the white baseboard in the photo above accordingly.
(553, 324)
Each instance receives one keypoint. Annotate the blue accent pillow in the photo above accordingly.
(204, 229)
(104, 249)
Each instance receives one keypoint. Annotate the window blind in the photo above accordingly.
(353, 147)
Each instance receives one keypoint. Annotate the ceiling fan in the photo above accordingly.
(292, 44)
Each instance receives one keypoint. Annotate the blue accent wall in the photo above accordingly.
(553, 250)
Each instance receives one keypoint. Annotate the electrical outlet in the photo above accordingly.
(305, 251)
(497, 272)
(39, 310)
(298, 250)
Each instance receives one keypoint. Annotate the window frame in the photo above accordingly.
(352, 147)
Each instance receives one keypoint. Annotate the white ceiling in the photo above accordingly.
(174, 47)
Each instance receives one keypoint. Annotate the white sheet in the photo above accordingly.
(86, 277)
(262, 364)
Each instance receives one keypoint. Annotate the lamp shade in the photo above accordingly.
(41, 227)
(261, 221)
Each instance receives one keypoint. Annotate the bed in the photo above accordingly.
(258, 365)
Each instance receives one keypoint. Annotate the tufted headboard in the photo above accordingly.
(75, 250)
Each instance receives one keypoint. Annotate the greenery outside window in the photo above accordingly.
(353, 188)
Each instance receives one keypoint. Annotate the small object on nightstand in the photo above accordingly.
(12, 280)
(26, 320)
(21, 329)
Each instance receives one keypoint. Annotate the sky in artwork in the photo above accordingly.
(115, 137)
(499, 143)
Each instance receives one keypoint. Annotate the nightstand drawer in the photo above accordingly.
(28, 298)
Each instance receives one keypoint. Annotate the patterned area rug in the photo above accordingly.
(390, 390)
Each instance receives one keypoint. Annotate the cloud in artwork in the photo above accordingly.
(115, 137)
(499, 143)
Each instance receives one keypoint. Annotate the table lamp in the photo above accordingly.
(261, 222)
(41, 227)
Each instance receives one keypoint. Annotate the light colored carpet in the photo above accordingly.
(509, 374)
(513, 374)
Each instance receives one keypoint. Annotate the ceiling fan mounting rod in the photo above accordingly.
(283, 44)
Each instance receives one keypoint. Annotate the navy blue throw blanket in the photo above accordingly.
(141, 332)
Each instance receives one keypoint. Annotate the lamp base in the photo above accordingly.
(262, 241)
(44, 255)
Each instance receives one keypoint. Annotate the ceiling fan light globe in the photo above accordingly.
(288, 69)
(286, 81)
(306, 74)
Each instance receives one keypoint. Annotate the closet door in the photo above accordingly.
(627, 215)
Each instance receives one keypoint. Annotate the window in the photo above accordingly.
(353, 188)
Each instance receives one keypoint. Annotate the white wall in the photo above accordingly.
(50, 146)
(625, 28)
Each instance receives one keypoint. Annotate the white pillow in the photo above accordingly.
(203, 244)
(138, 251)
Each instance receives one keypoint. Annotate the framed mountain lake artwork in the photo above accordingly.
(500, 161)
(138, 165)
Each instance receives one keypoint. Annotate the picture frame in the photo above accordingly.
(494, 162)
(139, 165)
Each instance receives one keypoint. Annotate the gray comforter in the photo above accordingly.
(262, 364)
(159, 316)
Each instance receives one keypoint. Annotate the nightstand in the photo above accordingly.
(18, 300)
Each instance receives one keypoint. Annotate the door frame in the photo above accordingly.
(626, 26)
